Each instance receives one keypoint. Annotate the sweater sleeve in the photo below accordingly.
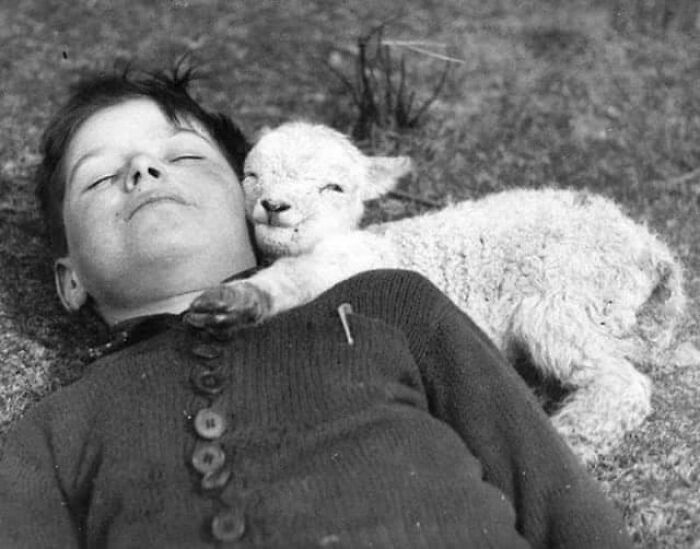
(39, 472)
(471, 387)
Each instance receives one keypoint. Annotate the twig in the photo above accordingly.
(346, 82)
(436, 92)
(415, 47)
(380, 88)
(421, 43)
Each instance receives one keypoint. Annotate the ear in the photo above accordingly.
(70, 290)
(383, 173)
(262, 132)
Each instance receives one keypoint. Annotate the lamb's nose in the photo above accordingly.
(272, 206)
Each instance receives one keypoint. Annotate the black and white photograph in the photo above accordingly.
(350, 274)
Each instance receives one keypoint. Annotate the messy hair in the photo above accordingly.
(169, 90)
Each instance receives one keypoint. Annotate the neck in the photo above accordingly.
(175, 304)
(172, 302)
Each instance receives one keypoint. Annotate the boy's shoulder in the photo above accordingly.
(400, 297)
(124, 371)
(386, 284)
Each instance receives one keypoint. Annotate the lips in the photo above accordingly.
(152, 198)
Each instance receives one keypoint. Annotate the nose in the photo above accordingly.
(143, 168)
(274, 206)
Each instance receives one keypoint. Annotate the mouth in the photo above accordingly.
(275, 226)
(154, 199)
(276, 221)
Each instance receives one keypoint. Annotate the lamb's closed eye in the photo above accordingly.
(333, 187)
(185, 157)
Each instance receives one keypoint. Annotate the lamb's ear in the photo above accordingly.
(384, 173)
(261, 132)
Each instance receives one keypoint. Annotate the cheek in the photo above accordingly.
(213, 185)
(226, 205)
(86, 223)
(236, 199)
(340, 205)
(252, 192)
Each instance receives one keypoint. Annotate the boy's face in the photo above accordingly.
(150, 208)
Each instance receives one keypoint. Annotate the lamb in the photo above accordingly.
(561, 278)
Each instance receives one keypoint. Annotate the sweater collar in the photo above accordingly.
(133, 330)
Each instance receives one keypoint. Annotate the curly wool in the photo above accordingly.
(567, 279)
(567, 247)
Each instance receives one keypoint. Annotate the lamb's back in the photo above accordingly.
(515, 243)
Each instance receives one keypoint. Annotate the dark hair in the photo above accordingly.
(96, 92)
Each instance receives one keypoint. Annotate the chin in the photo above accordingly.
(161, 239)
(278, 241)
(171, 241)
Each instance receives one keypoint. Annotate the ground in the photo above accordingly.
(547, 94)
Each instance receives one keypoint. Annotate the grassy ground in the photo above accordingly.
(546, 96)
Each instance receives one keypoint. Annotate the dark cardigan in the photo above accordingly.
(396, 425)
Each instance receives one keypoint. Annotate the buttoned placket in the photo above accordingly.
(210, 422)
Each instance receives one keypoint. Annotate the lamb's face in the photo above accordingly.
(303, 182)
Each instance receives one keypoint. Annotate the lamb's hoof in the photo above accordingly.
(222, 309)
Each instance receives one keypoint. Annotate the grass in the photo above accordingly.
(546, 96)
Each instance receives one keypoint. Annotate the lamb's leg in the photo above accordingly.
(609, 401)
(287, 283)
(609, 396)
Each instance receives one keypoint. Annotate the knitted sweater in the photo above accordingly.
(394, 425)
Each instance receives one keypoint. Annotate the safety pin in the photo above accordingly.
(344, 310)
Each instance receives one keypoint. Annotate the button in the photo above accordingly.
(215, 480)
(209, 424)
(228, 525)
(208, 457)
(206, 351)
(207, 382)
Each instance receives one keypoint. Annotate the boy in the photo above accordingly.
(376, 416)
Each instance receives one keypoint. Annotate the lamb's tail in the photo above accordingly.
(659, 317)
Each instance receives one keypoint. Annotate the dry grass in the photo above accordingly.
(547, 96)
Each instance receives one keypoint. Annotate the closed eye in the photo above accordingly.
(334, 187)
(103, 179)
(184, 157)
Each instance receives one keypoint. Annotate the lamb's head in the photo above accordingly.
(306, 181)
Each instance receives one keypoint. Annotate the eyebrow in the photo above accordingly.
(177, 130)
